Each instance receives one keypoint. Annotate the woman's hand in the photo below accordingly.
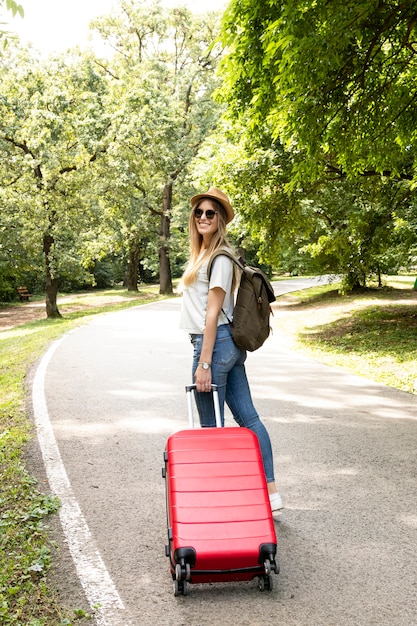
(203, 379)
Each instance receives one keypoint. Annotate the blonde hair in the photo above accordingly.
(198, 256)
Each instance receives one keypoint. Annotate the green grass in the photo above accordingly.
(25, 551)
(372, 333)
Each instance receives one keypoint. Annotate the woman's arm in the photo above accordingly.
(214, 306)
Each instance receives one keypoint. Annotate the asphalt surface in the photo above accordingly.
(345, 460)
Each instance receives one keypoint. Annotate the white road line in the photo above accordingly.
(99, 588)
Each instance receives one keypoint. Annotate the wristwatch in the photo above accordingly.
(205, 366)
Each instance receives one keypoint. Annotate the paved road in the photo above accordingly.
(345, 457)
(282, 287)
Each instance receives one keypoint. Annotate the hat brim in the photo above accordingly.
(213, 196)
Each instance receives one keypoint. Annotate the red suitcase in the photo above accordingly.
(220, 525)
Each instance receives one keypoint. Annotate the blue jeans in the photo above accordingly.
(229, 374)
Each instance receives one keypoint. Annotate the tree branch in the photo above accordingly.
(385, 26)
(106, 69)
(23, 146)
(340, 173)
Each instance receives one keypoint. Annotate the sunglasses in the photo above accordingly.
(210, 213)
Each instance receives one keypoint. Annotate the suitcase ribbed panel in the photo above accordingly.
(195, 500)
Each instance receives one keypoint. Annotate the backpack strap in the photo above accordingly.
(224, 252)
(264, 282)
(239, 262)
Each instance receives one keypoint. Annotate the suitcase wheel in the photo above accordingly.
(180, 588)
(180, 584)
(265, 583)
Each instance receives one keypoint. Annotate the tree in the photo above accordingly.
(353, 228)
(334, 80)
(53, 129)
(162, 73)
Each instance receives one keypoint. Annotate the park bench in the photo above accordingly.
(24, 294)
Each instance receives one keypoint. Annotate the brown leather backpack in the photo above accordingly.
(251, 318)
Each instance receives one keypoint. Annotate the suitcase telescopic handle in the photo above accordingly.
(215, 390)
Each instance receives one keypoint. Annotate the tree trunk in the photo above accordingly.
(51, 284)
(379, 276)
(165, 278)
(132, 269)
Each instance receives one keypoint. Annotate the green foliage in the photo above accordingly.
(318, 156)
(53, 129)
(334, 80)
(94, 152)
(160, 80)
(13, 7)
(357, 228)
(98, 157)
(254, 171)
(352, 228)
(24, 550)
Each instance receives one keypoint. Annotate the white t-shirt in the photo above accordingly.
(194, 299)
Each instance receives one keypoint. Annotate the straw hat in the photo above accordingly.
(218, 195)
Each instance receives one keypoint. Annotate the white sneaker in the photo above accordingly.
(276, 501)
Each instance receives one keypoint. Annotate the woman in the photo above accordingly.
(206, 307)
